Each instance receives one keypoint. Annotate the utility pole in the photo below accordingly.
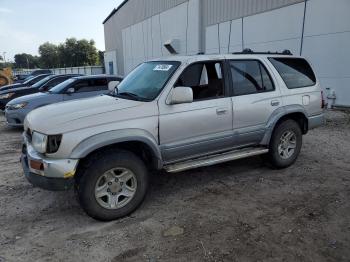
(4, 56)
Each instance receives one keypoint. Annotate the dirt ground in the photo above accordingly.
(238, 211)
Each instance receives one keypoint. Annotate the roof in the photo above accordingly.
(203, 57)
(95, 76)
(114, 11)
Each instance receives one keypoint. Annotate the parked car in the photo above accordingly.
(73, 88)
(172, 114)
(43, 85)
(29, 82)
(22, 77)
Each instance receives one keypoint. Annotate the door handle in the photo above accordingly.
(221, 111)
(275, 103)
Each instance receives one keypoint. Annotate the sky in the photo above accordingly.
(26, 24)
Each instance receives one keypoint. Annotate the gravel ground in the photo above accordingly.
(238, 211)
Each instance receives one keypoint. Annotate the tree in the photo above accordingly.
(71, 53)
(75, 52)
(1, 59)
(101, 58)
(49, 55)
(26, 61)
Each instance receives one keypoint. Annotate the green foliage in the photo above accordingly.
(71, 53)
(49, 55)
(1, 58)
(26, 61)
(101, 58)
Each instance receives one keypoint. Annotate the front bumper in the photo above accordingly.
(316, 121)
(15, 118)
(53, 175)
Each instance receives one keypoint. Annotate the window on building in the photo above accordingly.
(205, 79)
(295, 72)
(250, 77)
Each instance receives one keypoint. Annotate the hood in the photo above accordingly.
(85, 113)
(16, 90)
(28, 98)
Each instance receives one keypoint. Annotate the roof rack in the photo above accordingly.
(251, 52)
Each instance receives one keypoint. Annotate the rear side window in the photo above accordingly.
(295, 72)
(250, 77)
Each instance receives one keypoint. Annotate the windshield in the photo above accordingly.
(62, 86)
(42, 81)
(29, 79)
(147, 80)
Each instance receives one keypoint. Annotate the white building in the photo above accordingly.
(139, 30)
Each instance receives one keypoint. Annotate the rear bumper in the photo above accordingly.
(316, 121)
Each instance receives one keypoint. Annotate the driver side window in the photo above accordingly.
(205, 79)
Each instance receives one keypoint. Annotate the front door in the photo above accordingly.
(203, 126)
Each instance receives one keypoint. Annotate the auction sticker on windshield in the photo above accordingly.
(162, 67)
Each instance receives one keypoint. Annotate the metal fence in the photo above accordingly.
(84, 70)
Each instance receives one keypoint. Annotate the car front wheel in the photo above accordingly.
(113, 186)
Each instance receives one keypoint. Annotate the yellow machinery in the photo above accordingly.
(6, 76)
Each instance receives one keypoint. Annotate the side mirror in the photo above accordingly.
(70, 90)
(113, 85)
(181, 95)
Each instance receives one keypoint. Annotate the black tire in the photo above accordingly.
(100, 164)
(275, 158)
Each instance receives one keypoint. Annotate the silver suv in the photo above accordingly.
(173, 114)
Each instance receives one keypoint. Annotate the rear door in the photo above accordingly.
(255, 98)
(88, 88)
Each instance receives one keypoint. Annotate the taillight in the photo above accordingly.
(323, 102)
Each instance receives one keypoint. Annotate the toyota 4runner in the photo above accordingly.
(172, 114)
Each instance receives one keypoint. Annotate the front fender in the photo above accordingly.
(95, 142)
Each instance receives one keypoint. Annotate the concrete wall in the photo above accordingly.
(201, 13)
(325, 40)
(111, 57)
(317, 29)
(327, 44)
(133, 12)
(145, 40)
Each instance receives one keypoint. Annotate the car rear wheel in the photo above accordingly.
(285, 145)
(113, 186)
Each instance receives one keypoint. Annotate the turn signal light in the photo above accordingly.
(36, 165)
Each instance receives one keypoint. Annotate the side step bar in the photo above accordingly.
(215, 159)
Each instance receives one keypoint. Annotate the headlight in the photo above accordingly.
(39, 142)
(17, 106)
(9, 95)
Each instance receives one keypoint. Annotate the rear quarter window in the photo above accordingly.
(295, 72)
